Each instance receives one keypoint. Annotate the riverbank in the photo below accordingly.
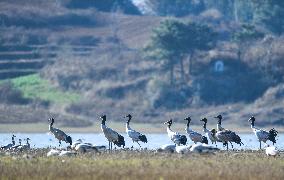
(142, 165)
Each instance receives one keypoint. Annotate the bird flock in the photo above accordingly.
(19, 147)
(179, 140)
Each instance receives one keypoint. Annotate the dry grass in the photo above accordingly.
(144, 165)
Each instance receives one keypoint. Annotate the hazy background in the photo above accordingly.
(155, 59)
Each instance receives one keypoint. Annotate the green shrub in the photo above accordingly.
(34, 87)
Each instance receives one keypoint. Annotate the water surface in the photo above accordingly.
(40, 140)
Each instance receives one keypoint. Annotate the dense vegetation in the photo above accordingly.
(266, 13)
(189, 56)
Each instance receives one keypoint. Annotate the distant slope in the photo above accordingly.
(98, 55)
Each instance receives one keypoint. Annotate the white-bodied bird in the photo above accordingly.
(84, 147)
(53, 152)
(134, 135)
(177, 138)
(262, 135)
(74, 144)
(203, 148)
(210, 134)
(67, 153)
(183, 149)
(193, 135)
(271, 151)
(61, 153)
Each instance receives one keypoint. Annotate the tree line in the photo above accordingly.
(267, 13)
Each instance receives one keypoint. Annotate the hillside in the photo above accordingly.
(79, 63)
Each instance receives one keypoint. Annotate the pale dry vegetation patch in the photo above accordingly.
(144, 165)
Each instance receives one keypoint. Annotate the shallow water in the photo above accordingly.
(40, 140)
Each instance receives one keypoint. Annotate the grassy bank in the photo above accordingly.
(119, 126)
(33, 87)
(144, 165)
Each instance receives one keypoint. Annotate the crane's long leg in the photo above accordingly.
(259, 144)
(227, 146)
(138, 144)
(232, 145)
(109, 145)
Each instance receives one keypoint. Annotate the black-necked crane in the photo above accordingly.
(193, 135)
(27, 145)
(17, 146)
(60, 135)
(262, 135)
(210, 134)
(225, 135)
(111, 135)
(134, 135)
(10, 145)
(214, 132)
(177, 138)
(219, 124)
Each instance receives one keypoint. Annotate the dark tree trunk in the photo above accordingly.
(182, 69)
(172, 74)
(235, 11)
(239, 52)
(190, 63)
